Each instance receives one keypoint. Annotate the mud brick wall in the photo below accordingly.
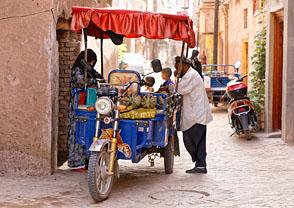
(69, 48)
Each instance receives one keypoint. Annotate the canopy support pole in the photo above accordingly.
(102, 33)
(180, 66)
(85, 31)
(187, 52)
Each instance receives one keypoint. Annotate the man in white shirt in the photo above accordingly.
(196, 114)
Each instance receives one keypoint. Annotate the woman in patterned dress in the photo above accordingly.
(77, 158)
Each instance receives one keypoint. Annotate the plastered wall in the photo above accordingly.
(28, 87)
(288, 61)
(29, 83)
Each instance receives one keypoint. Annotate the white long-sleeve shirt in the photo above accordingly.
(195, 107)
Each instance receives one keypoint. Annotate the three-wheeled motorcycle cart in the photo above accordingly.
(118, 121)
(216, 91)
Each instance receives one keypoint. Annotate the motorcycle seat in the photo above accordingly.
(239, 99)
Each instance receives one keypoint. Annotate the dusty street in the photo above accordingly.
(258, 173)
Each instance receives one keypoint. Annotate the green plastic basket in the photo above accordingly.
(91, 96)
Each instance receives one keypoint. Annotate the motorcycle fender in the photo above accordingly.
(244, 121)
(99, 144)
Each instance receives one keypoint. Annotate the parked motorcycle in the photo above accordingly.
(242, 115)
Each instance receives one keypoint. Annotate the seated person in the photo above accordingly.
(146, 88)
(168, 85)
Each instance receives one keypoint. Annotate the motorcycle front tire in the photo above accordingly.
(99, 182)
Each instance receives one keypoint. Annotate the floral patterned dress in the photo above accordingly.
(77, 155)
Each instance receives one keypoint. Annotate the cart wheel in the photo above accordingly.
(169, 156)
(248, 135)
(99, 181)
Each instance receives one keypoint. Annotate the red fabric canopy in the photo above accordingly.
(133, 24)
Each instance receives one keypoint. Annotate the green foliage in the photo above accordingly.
(121, 49)
(257, 91)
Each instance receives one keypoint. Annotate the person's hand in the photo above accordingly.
(97, 75)
(164, 88)
(176, 73)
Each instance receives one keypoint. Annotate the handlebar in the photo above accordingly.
(220, 81)
(241, 78)
(238, 80)
(139, 82)
(146, 83)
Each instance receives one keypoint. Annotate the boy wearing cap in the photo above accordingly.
(196, 113)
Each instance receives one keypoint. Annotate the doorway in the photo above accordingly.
(68, 48)
(245, 61)
(278, 71)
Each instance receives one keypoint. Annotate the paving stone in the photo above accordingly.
(257, 173)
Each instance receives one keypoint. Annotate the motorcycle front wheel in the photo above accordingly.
(99, 181)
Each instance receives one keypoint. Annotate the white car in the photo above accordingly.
(134, 61)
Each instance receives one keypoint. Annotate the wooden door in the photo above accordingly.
(221, 49)
(245, 62)
(278, 71)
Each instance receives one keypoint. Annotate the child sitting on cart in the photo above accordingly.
(168, 84)
(146, 88)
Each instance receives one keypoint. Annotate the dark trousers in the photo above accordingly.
(195, 143)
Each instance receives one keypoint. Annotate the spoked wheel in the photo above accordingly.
(169, 155)
(248, 135)
(99, 182)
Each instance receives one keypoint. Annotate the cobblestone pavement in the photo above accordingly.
(258, 173)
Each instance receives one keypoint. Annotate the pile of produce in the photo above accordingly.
(140, 113)
(133, 100)
(149, 101)
(145, 106)
(139, 107)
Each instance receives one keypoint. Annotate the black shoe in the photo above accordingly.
(197, 170)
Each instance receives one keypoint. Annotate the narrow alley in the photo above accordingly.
(257, 173)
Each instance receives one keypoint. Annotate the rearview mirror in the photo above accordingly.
(156, 65)
(237, 65)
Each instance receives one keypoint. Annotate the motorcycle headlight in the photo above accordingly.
(104, 105)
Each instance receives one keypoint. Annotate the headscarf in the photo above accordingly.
(91, 55)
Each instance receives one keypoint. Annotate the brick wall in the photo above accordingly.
(69, 48)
